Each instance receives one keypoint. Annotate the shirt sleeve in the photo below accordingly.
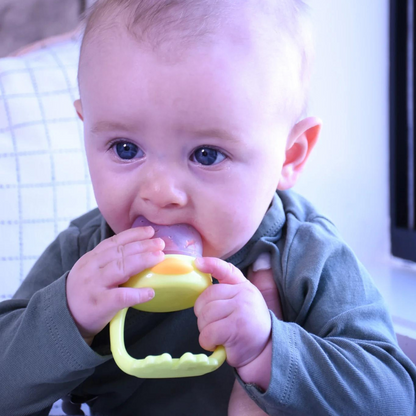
(43, 356)
(336, 353)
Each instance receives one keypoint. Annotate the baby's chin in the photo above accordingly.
(221, 252)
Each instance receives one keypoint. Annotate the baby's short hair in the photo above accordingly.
(161, 24)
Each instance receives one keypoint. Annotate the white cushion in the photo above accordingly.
(44, 179)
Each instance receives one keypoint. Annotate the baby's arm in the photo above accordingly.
(43, 356)
(337, 351)
(260, 274)
(225, 317)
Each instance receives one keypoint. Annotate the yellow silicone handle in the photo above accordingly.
(161, 366)
(177, 284)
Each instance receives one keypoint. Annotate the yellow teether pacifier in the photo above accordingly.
(177, 284)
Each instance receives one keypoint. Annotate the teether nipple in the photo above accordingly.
(178, 238)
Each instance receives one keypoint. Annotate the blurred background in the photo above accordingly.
(347, 177)
(26, 21)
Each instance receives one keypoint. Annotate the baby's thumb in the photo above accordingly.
(224, 272)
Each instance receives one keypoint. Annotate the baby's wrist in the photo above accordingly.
(258, 371)
(87, 337)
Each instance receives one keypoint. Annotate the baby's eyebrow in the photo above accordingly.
(102, 126)
(218, 133)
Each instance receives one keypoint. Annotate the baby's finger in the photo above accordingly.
(224, 272)
(120, 270)
(213, 294)
(125, 237)
(214, 334)
(137, 247)
(120, 252)
(213, 312)
(126, 297)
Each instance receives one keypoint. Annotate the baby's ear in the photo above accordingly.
(301, 141)
(78, 108)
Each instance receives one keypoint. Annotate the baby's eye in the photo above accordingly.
(126, 150)
(207, 156)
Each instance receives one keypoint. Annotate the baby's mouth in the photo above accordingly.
(178, 238)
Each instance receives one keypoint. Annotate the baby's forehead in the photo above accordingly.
(170, 30)
(157, 22)
(161, 22)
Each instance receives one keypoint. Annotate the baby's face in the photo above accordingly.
(198, 140)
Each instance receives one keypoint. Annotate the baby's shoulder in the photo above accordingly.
(306, 226)
(90, 219)
(297, 208)
(90, 229)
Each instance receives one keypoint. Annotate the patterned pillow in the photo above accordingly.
(44, 179)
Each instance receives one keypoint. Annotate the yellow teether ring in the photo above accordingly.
(173, 291)
(177, 285)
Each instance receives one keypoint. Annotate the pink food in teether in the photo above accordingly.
(178, 238)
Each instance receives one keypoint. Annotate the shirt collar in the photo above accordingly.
(270, 228)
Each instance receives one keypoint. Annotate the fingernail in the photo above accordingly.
(162, 242)
(150, 293)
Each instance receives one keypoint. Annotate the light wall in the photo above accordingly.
(347, 175)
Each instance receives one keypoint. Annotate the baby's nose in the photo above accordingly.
(162, 189)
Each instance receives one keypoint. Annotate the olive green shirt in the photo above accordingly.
(335, 353)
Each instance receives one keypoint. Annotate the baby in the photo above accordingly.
(193, 113)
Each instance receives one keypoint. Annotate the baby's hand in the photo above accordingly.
(233, 314)
(92, 288)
